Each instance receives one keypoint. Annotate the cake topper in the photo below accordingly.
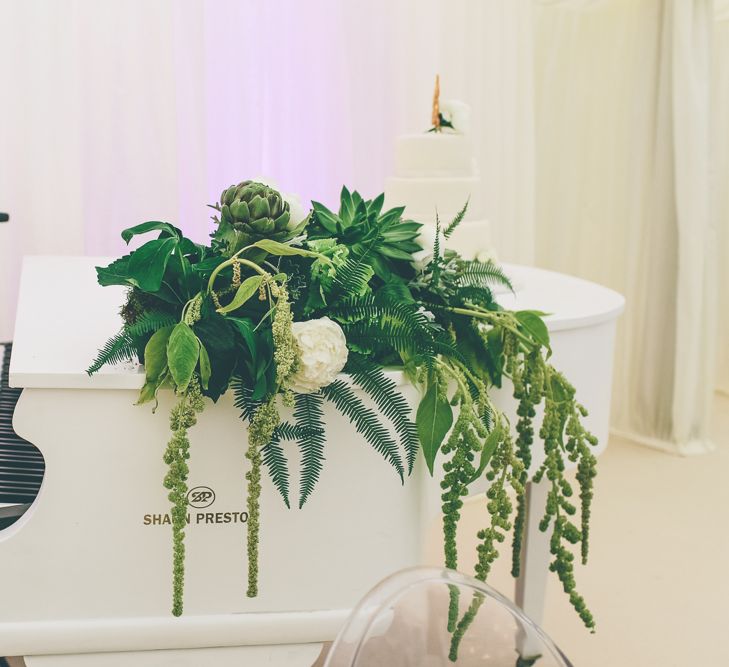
(436, 117)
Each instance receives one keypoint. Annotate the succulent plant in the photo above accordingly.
(249, 212)
(385, 241)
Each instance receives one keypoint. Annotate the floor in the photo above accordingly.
(658, 577)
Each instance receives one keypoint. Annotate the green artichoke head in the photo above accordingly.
(249, 212)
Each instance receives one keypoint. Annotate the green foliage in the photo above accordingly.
(562, 417)
(206, 317)
(183, 353)
(261, 429)
(156, 368)
(274, 458)
(472, 273)
(122, 346)
(117, 349)
(310, 422)
(366, 422)
(182, 418)
(460, 630)
(434, 419)
(453, 224)
(384, 239)
(384, 392)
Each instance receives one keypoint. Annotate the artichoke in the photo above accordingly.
(249, 212)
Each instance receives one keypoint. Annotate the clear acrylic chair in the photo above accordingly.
(431, 617)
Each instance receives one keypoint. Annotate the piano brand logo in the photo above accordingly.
(200, 497)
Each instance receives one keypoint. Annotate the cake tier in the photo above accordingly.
(434, 154)
(472, 239)
(423, 196)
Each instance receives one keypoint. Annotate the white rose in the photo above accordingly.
(457, 114)
(296, 209)
(323, 350)
(426, 241)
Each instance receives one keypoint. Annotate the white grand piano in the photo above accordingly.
(85, 574)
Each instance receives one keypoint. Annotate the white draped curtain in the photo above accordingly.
(720, 180)
(623, 194)
(114, 112)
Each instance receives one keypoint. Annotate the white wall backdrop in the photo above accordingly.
(117, 112)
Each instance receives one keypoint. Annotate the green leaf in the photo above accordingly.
(148, 263)
(149, 390)
(117, 273)
(326, 218)
(434, 419)
(375, 206)
(155, 364)
(276, 248)
(155, 353)
(145, 227)
(183, 351)
(244, 326)
(217, 335)
(489, 446)
(534, 325)
(205, 370)
(246, 290)
(395, 253)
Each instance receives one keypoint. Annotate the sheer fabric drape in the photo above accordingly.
(117, 112)
(623, 182)
(720, 181)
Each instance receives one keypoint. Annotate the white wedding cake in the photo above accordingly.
(436, 172)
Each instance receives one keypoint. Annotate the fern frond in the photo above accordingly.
(117, 349)
(478, 274)
(121, 347)
(242, 399)
(149, 322)
(457, 220)
(309, 417)
(384, 392)
(399, 326)
(478, 294)
(437, 261)
(274, 459)
(365, 421)
(352, 277)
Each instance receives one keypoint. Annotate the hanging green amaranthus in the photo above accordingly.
(182, 418)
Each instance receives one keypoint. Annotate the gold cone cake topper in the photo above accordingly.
(435, 116)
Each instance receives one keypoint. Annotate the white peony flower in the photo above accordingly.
(457, 114)
(426, 241)
(323, 353)
(297, 210)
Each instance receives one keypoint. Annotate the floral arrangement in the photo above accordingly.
(288, 307)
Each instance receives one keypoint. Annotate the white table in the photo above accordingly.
(85, 579)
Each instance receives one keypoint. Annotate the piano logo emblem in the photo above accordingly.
(200, 497)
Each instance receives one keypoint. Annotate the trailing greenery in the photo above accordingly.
(293, 309)
(182, 418)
